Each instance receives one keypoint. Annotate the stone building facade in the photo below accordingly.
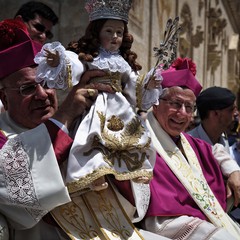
(210, 33)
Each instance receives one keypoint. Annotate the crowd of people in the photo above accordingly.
(90, 167)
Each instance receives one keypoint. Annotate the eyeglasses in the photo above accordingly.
(176, 105)
(27, 89)
(41, 28)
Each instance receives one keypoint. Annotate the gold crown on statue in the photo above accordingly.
(105, 9)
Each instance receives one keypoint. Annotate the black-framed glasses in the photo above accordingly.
(26, 89)
(176, 105)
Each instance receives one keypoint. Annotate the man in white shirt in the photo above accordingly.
(216, 108)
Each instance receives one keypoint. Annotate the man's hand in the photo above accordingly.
(233, 187)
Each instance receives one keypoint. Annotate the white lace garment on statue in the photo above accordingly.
(111, 138)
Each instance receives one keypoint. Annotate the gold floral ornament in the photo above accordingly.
(119, 148)
(113, 79)
(115, 124)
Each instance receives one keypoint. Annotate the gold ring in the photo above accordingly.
(91, 92)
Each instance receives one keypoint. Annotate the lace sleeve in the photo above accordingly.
(65, 74)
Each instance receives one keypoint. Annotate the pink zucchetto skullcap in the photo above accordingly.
(182, 73)
(17, 49)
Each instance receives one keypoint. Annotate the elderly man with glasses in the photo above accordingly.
(34, 138)
(188, 194)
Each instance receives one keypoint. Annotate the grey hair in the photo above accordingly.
(164, 93)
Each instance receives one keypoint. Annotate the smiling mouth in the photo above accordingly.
(177, 122)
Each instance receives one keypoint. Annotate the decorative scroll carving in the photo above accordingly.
(189, 40)
(216, 25)
(197, 38)
(214, 58)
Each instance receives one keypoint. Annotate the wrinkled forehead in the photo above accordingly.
(19, 77)
(180, 93)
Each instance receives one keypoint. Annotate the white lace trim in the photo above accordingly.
(53, 77)
(145, 196)
(18, 179)
(142, 197)
(112, 61)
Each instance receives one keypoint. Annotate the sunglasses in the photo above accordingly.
(41, 28)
